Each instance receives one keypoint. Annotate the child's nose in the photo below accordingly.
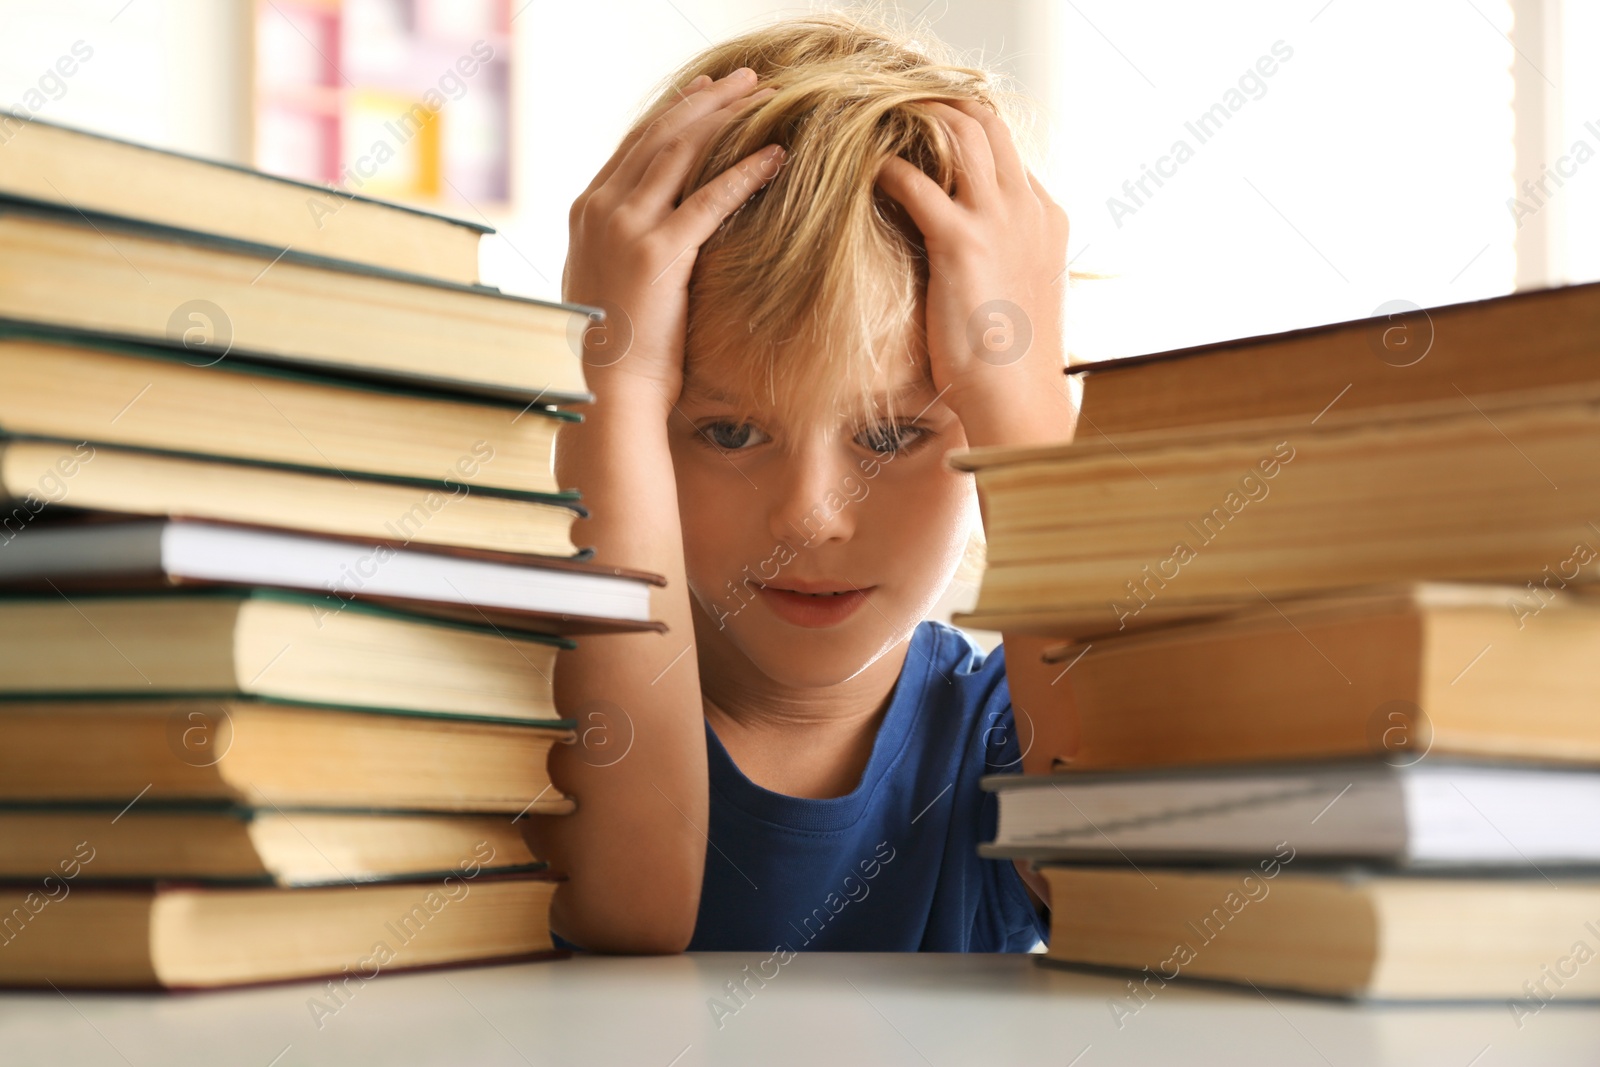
(811, 505)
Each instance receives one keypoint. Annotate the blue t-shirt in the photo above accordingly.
(892, 866)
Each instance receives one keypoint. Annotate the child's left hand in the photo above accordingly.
(997, 252)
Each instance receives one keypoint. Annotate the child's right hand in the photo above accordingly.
(633, 246)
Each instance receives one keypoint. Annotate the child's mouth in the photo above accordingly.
(827, 607)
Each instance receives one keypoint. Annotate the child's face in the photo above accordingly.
(779, 505)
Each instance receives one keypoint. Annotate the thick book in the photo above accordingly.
(1402, 354)
(1345, 934)
(41, 478)
(1507, 671)
(139, 748)
(272, 644)
(81, 387)
(269, 846)
(172, 935)
(222, 299)
(1433, 813)
(76, 169)
(1100, 536)
(530, 592)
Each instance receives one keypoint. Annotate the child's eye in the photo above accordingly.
(730, 437)
(891, 437)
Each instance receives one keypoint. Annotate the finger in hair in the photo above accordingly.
(663, 180)
(929, 206)
(1009, 168)
(703, 211)
(666, 103)
(975, 166)
(682, 114)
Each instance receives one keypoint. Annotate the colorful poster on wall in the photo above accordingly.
(403, 99)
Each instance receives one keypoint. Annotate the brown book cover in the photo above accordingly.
(121, 936)
(1398, 672)
(1402, 354)
(1104, 536)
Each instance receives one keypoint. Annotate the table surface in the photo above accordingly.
(818, 1008)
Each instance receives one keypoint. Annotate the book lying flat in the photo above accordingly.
(1543, 337)
(272, 644)
(1494, 488)
(73, 168)
(1342, 934)
(217, 299)
(1433, 813)
(286, 847)
(138, 748)
(177, 936)
(38, 476)
(1453, 669)
(80, 387)
(491, 589)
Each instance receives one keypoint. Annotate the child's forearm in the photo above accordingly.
(634, 851)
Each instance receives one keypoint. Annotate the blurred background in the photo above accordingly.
(1231, 169)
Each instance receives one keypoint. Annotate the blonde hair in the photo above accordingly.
(811, 285)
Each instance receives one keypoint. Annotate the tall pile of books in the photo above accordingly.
(284, 575)
(1330, 658)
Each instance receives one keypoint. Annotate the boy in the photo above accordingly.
(821, 275)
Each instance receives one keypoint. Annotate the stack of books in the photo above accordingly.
(284, 575)
(1330, 657)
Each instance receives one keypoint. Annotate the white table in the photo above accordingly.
(838, 1010)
